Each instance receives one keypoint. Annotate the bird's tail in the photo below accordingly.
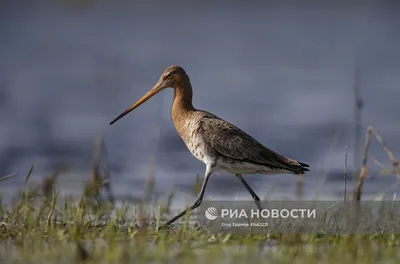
(301, 168)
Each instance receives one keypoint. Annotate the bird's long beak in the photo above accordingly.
(147, 96)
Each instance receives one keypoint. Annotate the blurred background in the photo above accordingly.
(287, 73)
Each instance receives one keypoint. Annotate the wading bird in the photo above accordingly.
(215, 142)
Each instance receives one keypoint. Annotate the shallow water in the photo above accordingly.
(283, 73)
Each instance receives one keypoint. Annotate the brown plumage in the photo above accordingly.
(217, 143)
(233, 143)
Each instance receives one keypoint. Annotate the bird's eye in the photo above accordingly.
(169, 74)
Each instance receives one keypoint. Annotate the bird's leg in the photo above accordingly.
(196, 203)
(253, 194)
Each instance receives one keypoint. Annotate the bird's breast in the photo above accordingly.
(191, 135)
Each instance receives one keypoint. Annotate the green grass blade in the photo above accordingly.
(29, 174)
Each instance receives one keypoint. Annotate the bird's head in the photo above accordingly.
(172, 77)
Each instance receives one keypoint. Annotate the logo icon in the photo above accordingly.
(211, 213)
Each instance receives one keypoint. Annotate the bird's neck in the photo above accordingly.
(183, 95)
(182, 106)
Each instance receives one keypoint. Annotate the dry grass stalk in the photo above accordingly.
(364, 169)
(92, 188)
(143, 218)
(345, 174)
(53, 206)
(97, 181)
(165, 209)
(6, 177)
(106, 179)
(357, 115)
(48, 185)
(299, 186)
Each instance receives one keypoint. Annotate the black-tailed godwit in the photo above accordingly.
(212, 140)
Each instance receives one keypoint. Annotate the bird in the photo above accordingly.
(220, 145)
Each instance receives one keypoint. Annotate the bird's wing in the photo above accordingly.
(232, 142)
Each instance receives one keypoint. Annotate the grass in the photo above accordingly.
(28, 237)
(40, 226)
(41, 230)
